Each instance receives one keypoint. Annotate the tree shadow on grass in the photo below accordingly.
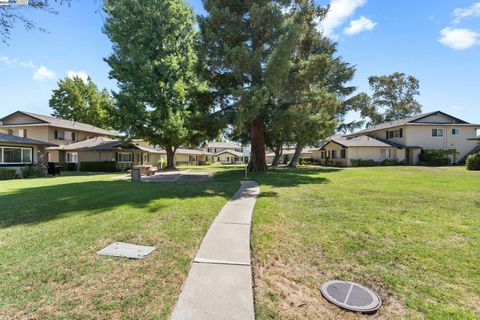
(40, 204)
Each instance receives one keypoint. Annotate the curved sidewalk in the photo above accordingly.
(219, 284)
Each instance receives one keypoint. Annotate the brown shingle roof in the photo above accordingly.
(362, 141)
(66, 124)
(402, 122)
(8, 138)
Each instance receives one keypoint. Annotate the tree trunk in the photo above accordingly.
(257, 161)
(298, 151)
(170, 157)
(278, 154)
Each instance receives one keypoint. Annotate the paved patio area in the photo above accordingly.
(169, 176)
(219, 284)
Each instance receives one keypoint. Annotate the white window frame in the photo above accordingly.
(437, 130)
(477, 132)
(455, 131)
(2, 157)
(120, 154)
(73, 157)
(22, 133)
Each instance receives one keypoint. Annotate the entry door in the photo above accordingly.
(407, 156)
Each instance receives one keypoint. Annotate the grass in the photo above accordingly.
(51, 229)
(409, 233)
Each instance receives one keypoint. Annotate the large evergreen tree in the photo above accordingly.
(311, 84)
(153, 62)
(81, 101)
(237, 40)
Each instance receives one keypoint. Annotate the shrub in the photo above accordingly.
(7, 174)
(33, 172)
(161, 164)
(436, 157)
(473, 162)
(363, 163)
(67, 166)
(98, 166)
(304, 161)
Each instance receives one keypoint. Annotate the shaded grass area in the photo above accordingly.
(51, 229)
(410, 233)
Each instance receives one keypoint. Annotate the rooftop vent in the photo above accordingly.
(351, 296)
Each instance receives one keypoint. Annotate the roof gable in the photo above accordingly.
(435, 117)
(33, 118)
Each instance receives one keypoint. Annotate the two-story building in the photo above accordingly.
(403, 140)
(54, 131)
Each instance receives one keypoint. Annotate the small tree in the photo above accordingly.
(153, 61)
(393, 98)
(81, 101)
(473, 161)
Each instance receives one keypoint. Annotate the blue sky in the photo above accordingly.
(436, 41)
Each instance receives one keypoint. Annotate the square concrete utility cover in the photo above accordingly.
(127, 250)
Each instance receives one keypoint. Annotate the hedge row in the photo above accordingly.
(99, 166)
(7, 174)
(372, 163)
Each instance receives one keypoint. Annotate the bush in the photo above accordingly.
(363, 163)
(473, 162)
(7, 174)
(161, 164)
(99, 166)
(436, 157)
(33, 172)
(67, 166)
(304, 161)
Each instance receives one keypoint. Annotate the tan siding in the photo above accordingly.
(20, 119)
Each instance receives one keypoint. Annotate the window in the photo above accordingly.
(437, 132)
(322, 155)
(395, 134)
(68, 136)
(59, 135)
(343, 154)
(145, 157)
(477, 132)
(72, 157)
(385, 153)
(334, 154)
(124, 157)
(455, 132)
(26, 155)
(22, 133)
(15, 155)
(193, 158)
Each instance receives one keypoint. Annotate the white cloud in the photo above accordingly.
(359, 25)
(28, 64)
(80, 74)
(462, 13)
(43, 73)
(340, 11)
(6, 60)
(458, 38)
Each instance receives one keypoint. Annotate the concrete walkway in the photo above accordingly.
(219, 285)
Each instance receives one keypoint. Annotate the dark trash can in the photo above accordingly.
(54, 168)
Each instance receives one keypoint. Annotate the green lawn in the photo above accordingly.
(51, 229)
(410, 233)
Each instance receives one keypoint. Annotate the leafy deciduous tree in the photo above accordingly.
(393, 98)
(81, 101)
(153, 62)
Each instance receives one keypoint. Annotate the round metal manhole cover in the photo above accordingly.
(351, 296)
